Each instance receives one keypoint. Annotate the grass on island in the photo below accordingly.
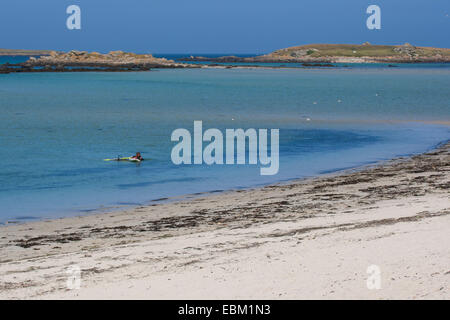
(355, 50)
(13, 52)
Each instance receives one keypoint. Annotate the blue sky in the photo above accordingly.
(213, 26)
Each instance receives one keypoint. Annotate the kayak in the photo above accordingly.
(130, 159)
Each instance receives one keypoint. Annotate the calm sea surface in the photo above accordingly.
(56, 129)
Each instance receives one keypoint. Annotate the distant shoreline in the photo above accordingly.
(343, 53)
(83, 61)
(312, 55)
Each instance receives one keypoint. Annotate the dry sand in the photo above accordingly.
(313, 238)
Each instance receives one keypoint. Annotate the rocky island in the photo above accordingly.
(343, 53)
(94, 61)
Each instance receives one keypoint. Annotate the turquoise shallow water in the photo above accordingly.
(55, 129)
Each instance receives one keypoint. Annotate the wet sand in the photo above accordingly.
(311, 238)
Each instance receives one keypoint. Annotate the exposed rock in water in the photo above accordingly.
(84, 61)
(113, 58)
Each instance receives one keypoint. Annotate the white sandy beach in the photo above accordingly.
(308, 239)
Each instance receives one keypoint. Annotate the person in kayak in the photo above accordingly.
(137, 156)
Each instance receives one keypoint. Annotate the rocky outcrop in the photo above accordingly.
(77, 61)
(302, 52)
(407, 50)
(111, 59)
